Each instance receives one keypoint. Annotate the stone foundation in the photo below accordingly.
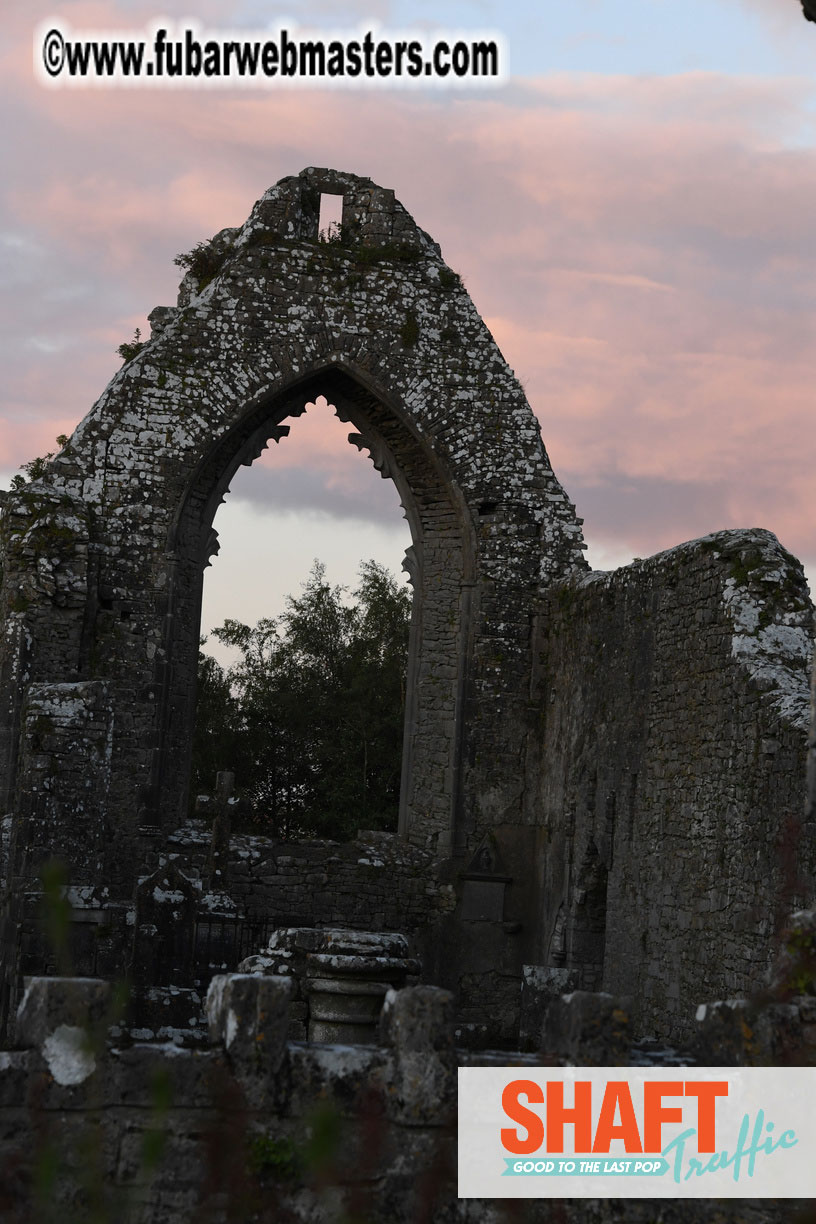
(254, 1128)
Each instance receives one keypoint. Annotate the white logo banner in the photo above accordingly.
(637, 1132)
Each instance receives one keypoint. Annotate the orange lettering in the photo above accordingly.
(525, 1117)
(656, 1113)
(617, 1095)
(706, 1094)
(580, 1116)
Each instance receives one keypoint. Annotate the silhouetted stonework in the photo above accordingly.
(674, 719)
(250, 1127)
(602, 773)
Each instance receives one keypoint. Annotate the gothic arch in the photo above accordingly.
(268, 317)
(528, 685)
(441, 531)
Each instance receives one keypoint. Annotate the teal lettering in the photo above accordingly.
(745, 1153)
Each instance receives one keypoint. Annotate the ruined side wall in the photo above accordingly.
(674, 720)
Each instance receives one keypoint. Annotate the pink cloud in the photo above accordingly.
(641, 249)
(316, 439)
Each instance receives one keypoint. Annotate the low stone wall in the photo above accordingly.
(377, 882)
(674, 717)
(256, 1128)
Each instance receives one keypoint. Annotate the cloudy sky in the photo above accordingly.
(632, 212)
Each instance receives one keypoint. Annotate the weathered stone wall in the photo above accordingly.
(60, 816)
(43, 606)
(376, 882)
(268, 318)
(810, 807)
(673, 728)
(604, 769)
(66, 758)
(380, 883)
(254, 1128)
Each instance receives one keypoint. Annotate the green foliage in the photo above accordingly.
(802, 962)
(203, 261)
(333, 235)
(744, 565)
(128, 351)
(448, 279)
(310, 718)
(275, 1158)
(387, 252)
(35, 469)
(280, 1159)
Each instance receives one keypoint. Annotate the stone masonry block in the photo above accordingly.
(250, 1015)
(418, 1023)
(49, 1003)
(748, 1033)
(588, 1029)
(540, 986)
(63, 1019)
(418, 1018)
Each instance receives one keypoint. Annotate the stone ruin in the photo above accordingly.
(602, 780)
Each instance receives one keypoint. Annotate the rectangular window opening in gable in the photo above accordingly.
(331, 216)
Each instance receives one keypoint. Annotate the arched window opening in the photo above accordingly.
(305, 623)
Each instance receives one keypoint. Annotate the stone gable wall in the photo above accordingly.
(625, 751)
(269, 317)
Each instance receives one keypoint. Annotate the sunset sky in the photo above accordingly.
(632, 213)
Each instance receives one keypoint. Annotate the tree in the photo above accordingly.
(216, 734)
(310, 718)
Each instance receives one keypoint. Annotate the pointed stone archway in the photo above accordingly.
(655, 714)
(268, 317)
